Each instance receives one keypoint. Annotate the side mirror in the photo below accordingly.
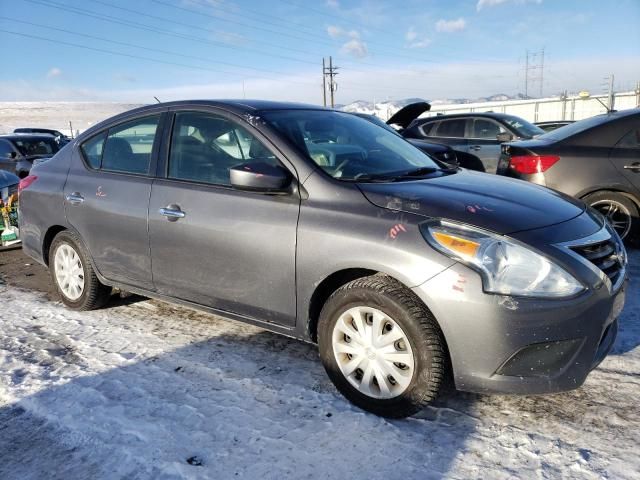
(10, 155)
(504, 137)
(260, 177)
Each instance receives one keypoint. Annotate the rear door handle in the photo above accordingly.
(172, 212)
(475, 147)
(75, 198)
(633, 166)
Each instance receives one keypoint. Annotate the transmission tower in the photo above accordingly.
(534, 72)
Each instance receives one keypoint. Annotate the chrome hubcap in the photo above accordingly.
(616, 214)
(69, 272)
(373, 352)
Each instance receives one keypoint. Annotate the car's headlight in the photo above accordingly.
(507, 266)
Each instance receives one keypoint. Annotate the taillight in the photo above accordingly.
(529, 164)
(26, 182)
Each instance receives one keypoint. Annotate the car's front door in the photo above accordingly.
(625, 155)
(107, 198)
(214, 245)
(483, 142)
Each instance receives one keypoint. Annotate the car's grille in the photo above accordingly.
(606, 256)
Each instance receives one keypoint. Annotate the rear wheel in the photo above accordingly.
(73, 274)
(381, 347)
(619, 210)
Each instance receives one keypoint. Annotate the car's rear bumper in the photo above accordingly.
(516, 345)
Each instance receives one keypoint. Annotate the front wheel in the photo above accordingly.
(381, 347)
(619, 210)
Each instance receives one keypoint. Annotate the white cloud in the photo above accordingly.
(355, 47)
(416, 40)
(492, 3)
(411, 34)
(450, 26)
(54, 72)
(335, 32)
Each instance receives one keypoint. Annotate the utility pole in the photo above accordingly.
(534, 71)
(324, 84)
(330, 72)
(610, 97)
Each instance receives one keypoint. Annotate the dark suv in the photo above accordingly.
(477, 134)
(596, 159)
(320, 225)
(18, 151)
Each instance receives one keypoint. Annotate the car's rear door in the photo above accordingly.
(107, 197)
(483, 143)
(214, 245)
(450, 132)
(625, 155)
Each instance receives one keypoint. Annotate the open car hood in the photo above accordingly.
(495, 203)
(408, 114)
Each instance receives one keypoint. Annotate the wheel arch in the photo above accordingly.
(48, 239)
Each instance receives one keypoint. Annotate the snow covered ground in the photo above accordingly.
(144, 390)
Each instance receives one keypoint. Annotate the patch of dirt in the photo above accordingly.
(19, 270)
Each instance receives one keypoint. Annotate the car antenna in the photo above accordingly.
(157, 99)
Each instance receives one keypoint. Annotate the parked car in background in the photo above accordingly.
(18, 151)
(596, 160)
(477, 134)
(60, 137)
(322, 226)
(441, 152)
(548, 126)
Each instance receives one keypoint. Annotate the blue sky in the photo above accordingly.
(129, 51)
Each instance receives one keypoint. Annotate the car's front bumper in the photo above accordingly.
(517, 345)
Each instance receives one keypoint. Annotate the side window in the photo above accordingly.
(204, 147)
(483, 128)
(630, 140)
(92, 150)
(5, 148)
(128, 146)
(451, 128)
(428, 129)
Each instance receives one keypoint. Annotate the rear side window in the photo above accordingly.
(428, 129)
(451, 128)
(488, 129)
(204, 147)
(630, 140)
(92, 150)
(124, 148)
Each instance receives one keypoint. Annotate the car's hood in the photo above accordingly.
(8, 179)
(495, 203)
(408, 114)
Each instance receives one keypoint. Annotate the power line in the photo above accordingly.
(330, 72)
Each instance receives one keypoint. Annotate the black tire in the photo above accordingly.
(599, 199)
(405, 308)
(94, 295)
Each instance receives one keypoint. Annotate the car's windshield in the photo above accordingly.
(36, 146)
(522, 127)
(348, 147)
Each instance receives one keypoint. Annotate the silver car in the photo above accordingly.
(322, 226)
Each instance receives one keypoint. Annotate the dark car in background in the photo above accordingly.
(477, 134)
(552, 125)
(18, 151)
(441, 152)
(48, 131)
(596, 160)
(319, 225)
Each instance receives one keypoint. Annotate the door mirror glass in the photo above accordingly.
(504, 137)
(259, 177)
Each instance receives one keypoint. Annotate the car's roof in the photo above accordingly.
(22, 136)
(468, 114)
(246, 105)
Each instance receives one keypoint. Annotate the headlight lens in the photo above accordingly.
(507, 267)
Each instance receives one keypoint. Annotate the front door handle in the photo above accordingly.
(75, 198)
(475, 147)
(633, 166)
(172, 212)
